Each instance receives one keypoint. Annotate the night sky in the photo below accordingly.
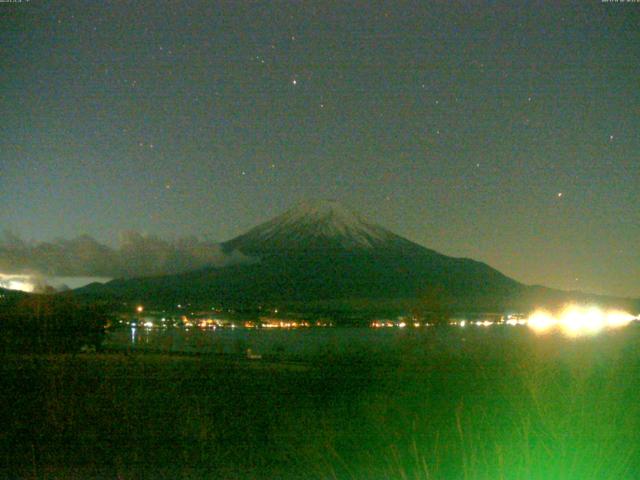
(506, 132)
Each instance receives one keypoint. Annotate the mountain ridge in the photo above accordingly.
(323, 252)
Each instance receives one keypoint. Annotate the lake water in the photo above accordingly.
(287, 342)
(323, 342)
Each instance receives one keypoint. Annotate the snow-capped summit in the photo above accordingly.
(330, 211)
(311, 224)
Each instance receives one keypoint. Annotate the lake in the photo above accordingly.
(436, 403)
(314, 342)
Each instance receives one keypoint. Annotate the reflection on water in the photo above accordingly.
(295, 342)
(304, 342)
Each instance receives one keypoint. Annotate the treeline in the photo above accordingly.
(49, 323)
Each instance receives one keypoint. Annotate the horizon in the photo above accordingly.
(133, 248)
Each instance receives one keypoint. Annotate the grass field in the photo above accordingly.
(501, 406)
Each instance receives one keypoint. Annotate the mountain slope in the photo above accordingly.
(9, 297)
(320, 252)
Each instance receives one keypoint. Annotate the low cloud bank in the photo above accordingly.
(36, 282)
(138, 255)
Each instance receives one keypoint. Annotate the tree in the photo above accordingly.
(434, 304)
(51, 323)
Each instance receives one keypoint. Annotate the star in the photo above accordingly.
(559, 194)
(294, 81)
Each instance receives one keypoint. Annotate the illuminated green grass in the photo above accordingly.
(510, 406)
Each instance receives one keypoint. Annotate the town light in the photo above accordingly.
(576, 320)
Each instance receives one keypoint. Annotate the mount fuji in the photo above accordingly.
(321, 255)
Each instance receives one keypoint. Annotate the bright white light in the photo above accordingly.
(575, 320)
(618, 318)
(18, 285)
(23, 283)
(594, 320)
(483, 323)
(463, 323)
(541, 321)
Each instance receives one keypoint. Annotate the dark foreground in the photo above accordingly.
(478, 406)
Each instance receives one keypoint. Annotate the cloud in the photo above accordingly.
(138, 255)
(26, 283)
